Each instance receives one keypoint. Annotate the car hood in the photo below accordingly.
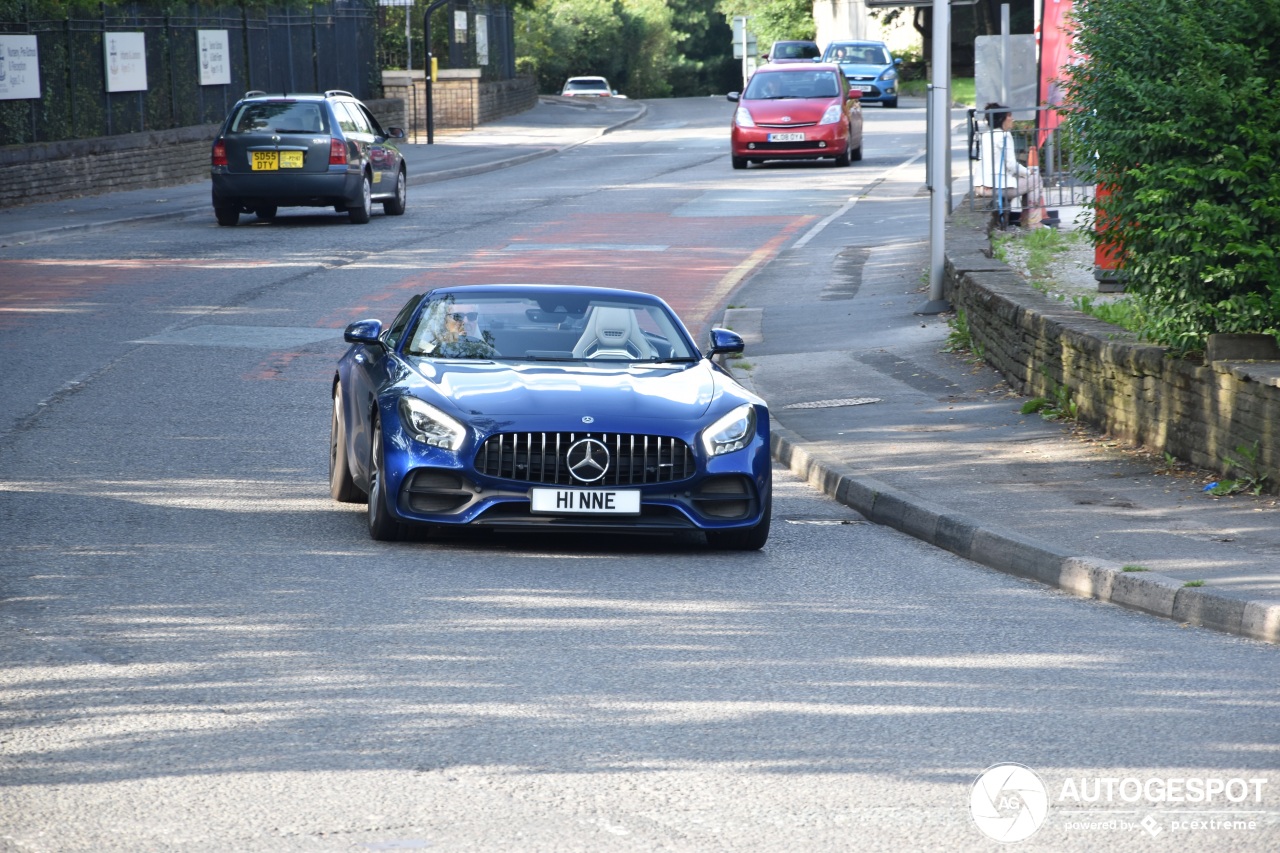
(851, 68)
(798, 110)
(503, 390)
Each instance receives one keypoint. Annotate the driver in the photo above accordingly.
(769, 87)
(455, 332)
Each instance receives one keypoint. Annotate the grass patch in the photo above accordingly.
(963, 90)
(960, 338)
(1193, 583)
(1135, 569)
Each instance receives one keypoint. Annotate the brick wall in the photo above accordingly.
(159, 158)
(460, 100)
(1193, 411)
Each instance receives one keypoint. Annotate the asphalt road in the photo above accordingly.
(203, 652)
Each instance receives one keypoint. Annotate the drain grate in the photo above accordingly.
(833, 404)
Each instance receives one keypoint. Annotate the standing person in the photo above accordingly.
(1000, 173)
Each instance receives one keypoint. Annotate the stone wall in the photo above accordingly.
(1197, 412)
(79, 167)
(460, 99)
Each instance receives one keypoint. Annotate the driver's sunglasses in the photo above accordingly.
(464, 317)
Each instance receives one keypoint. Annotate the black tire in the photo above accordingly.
(845, 158)
(361, 212)
(382, 526)
(747, 538)
(739, 162)
(342, 487)
(227, 213)
(266, 212)
(856, 156)
(891, 104)
(395, 206)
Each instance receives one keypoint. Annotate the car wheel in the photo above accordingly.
(267, 212)
(857, 153)
(745, 539)
(226, 212)
(395, 206)
(845, 158)
(891, 103)
(739, 162)
(382, 526)
(360, 213)
(341, 486)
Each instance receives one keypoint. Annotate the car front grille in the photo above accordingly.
(540, 457)
(789, 125)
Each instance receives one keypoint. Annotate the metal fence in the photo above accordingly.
(487, 42)
(1037, 138)
(325, 47)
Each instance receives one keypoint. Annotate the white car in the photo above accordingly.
(588, 87)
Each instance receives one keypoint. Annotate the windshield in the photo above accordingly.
(854, 54)
(554, 325)
(770, 85)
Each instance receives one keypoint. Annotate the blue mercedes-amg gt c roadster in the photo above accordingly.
(540, 407)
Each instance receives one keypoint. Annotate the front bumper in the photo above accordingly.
(435, 487)
(819, 141)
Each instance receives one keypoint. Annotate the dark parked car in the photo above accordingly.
(793, 51)
(317, 150)
(548, 408)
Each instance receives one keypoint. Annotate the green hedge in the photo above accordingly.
(1177, 110)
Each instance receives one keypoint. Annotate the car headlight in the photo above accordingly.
(889, 74)
(429, 425)
(742, 118)
(731, 432)
(832, 115)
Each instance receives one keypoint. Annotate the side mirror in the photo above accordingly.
(897, 62)
(364, 332)
(725, 342)
(395, 133)
(732, 96)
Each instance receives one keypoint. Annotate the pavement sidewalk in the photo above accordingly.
(934, 444)
(885, 422)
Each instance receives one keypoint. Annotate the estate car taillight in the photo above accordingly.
(219, 153)
(337, 152)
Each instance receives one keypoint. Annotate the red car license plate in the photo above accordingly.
(786, 137)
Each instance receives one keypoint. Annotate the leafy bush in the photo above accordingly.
(1177, 111)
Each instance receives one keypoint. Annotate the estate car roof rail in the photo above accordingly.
(331, 92)
(254, 93)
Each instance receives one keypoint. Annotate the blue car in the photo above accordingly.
(553, 408)
(870, 68)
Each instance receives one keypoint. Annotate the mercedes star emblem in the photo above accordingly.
(588, 460)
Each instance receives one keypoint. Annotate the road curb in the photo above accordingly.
(1087, 577)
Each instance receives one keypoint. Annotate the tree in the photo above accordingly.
(1177, 112)
(772, 20)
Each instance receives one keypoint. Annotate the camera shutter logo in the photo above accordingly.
(1008, 802)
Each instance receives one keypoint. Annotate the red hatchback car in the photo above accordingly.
(796, 111)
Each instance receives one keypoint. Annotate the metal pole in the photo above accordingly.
(1005, 85)
(939, 130)
(426, 35)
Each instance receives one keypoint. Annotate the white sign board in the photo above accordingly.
(482, 40)
(125, 55)
(19, 68)
(215, 56)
